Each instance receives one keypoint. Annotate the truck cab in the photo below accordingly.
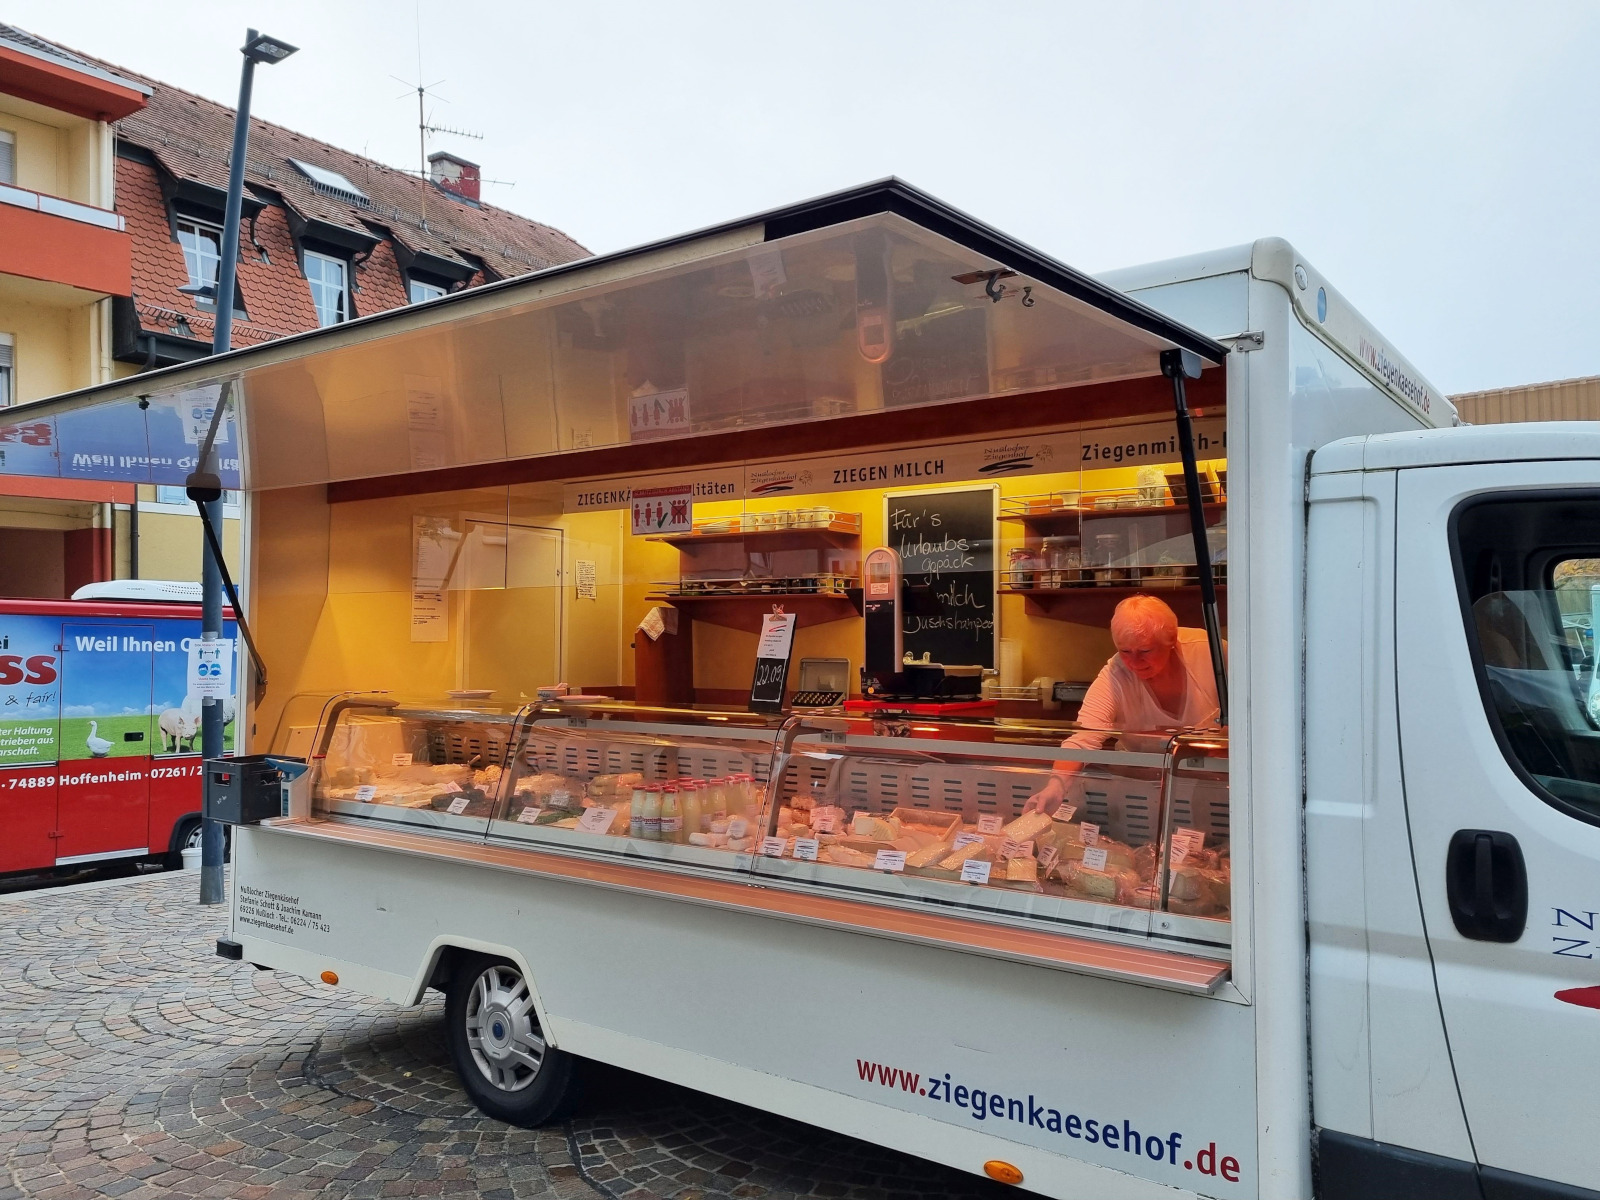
(1453, 810)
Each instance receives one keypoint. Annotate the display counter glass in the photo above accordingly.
(1132, 839)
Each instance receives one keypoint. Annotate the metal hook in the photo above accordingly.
(994, 289)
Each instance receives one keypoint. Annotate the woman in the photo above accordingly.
(1161, 677)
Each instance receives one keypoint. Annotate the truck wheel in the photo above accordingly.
(499, 1050)
(189, 836)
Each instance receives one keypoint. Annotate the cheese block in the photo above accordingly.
(1027, 827)
(864, 825)
(847, 857)
(1022, 869)
(1091, 884)
(961, 854)
(928, 855)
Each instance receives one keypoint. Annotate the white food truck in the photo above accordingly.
(515, 556)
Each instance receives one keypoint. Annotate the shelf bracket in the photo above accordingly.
(1179, 365)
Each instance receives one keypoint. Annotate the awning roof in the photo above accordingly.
(878, 298)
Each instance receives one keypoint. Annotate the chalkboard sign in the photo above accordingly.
(773, 650)
(946, 542)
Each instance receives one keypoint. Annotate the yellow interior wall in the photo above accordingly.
(334, 594)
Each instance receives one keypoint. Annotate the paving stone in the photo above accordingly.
(135, 1064)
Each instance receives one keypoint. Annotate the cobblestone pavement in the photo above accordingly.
(134, 1063)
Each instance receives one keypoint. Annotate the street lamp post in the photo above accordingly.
(205, 485)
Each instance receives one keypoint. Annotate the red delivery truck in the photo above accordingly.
(99, 730)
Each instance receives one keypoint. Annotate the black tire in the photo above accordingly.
(498, 1048)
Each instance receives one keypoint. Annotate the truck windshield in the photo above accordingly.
(1532, 591)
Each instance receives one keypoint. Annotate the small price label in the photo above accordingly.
(806, 849)
(450, 787)
(401, 760)
(459, 805)
(529, 816)
(1089, 834)
(1095, 859)
(1011, 848)
(773, 847)
(1047, 858)
(974, 871)
(990, 824)
(966, 839)
(889, 860)
(824, 822)
(1184, 843)
(596, 820)
(561, 798)
(365, 794)
(1066, 812)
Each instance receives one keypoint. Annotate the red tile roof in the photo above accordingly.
(187, 138)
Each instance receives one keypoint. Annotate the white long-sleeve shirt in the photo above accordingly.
(1119, 700)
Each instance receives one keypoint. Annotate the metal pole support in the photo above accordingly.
(1179, 365)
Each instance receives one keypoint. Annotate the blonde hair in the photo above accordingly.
(1146, 619)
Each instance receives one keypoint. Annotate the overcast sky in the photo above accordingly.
(1440, 161)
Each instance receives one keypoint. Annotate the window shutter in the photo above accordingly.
(5, 353)
(8, 159)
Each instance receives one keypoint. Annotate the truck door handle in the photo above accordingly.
(1487, 883)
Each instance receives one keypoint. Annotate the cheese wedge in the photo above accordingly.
(928, 855)
(1028, 826)
(1023, 869)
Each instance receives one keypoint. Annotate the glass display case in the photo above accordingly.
(1127, 834)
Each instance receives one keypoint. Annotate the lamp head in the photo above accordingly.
(258, 47)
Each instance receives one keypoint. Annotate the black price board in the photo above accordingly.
(946, 542)
(773, 650)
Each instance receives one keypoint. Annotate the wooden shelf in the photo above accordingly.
(1092, 604)
(1070, 517)
(745, 610)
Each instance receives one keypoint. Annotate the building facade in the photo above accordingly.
(129, 179)
(1562, 400)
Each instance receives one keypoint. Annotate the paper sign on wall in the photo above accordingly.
(658, 414)
(211, 668)
(663, 509)
(430, 613)
(588, 588)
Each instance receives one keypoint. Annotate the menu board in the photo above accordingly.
(946, 541)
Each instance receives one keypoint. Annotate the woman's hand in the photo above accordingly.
(1051, 793)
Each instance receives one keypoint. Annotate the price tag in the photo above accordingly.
(824, 822)
(561, 798)
(773, 847)
(889, 860)
(806, 849)
(974, 871)
(1095, 859)
(1184, 843)
(365, 794)
(450, 787)
(529, 816)
(459, 805)
(596, 820)
(966, 839)
(1090, 834)
(990, 824)
(1066, 812)
(401, 760)
(1011, 848)
(1047, 858)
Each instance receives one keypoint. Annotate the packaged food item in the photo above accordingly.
(650, 816)
(609, 787)
(980, 849)
(1096, 885)
(671, 819)
(928, 855)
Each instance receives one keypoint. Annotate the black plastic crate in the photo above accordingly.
(244, 790)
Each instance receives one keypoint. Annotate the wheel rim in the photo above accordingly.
(191, 840)
(502, 1030)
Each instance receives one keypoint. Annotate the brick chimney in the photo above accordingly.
(455, 175)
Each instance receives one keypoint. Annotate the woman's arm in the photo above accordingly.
(1098, 711)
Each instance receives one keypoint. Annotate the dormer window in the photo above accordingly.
(329, 278)
(202, 251)
(422, 291)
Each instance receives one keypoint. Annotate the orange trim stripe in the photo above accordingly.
(1161, 968)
